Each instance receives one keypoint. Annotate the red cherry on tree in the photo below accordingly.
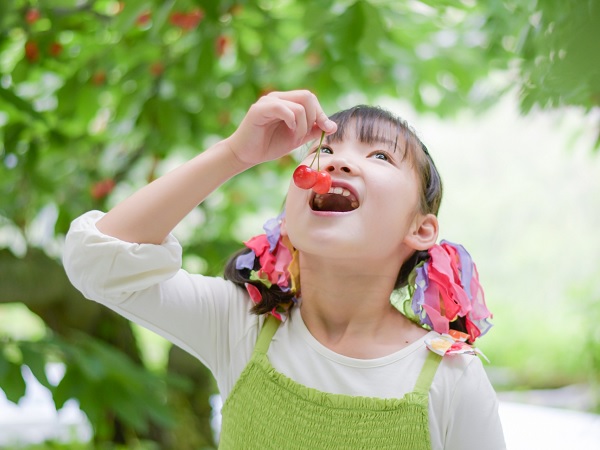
(305, 177)
(102, 188)
(143, 18)
(99, 77)
(32, 51)
(32, 16)
(221, 44)
(157, 68)
(323, 183)
(187, 21)
(55, 49)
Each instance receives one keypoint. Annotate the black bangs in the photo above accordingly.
(371, 125)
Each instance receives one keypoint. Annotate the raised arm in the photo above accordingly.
(275, 125)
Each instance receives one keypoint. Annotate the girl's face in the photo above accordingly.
(371, 208)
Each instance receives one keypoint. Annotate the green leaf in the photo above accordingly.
(345, 32)
(36, 361)
(20, 104)
(67, 388)
(11, 380)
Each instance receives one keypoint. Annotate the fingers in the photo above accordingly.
(272, 110)
(313, 112)
(277, 123)
(325, 124)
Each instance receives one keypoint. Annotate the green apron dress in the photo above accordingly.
(267, 410)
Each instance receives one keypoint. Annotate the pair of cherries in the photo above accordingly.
(305, 177)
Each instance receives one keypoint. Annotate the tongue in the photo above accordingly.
(332, 202)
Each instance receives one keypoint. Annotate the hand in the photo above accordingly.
(278, 123)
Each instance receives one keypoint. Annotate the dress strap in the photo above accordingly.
(428, 372)
(266, 333)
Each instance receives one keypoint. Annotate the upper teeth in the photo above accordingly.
(340, 191)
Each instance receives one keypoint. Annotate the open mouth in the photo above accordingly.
(338, 199)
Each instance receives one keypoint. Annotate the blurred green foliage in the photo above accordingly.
(99, 97)
(97, 375)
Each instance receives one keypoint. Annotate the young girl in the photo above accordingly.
(306, 346)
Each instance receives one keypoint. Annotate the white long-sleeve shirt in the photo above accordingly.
(210, 318)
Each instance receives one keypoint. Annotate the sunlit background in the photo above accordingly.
(114, 94)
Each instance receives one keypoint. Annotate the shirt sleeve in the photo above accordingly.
(206, 316)
(474, 422)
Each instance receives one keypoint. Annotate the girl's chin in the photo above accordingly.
(328, 243)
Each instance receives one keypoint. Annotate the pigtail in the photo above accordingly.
(445, 293)
(269, 298)
(268, 269)
(417, 259)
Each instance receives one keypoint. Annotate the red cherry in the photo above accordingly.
(143, 18)
(32, 16)
(221, 44)
(102, 188)
(56, 49)
(187, 21)
(323, 183)
(304, 177)
(157, 68)
(99, 77)
(177, 18)
(32, 51)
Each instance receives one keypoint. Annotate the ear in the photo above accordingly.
(424, 232)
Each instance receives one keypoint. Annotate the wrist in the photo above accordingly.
(224, 151)
(228, 148)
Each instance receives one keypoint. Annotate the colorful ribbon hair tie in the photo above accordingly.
(446, 288)
(278, 263)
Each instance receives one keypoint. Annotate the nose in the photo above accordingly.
(340, 165)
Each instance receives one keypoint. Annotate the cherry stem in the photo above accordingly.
(318, 152)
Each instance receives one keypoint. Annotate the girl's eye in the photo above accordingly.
(324, 149)
(384, 156)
